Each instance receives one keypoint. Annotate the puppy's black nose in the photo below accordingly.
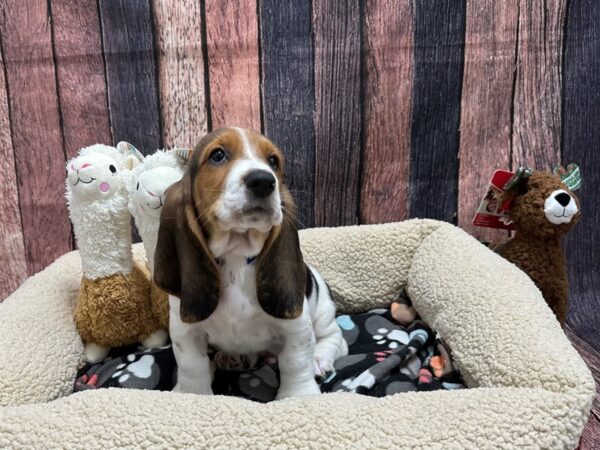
(563, 198)
(260, 182)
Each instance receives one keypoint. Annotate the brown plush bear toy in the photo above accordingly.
(543, 210)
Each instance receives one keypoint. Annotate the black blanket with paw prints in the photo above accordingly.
(384, 358)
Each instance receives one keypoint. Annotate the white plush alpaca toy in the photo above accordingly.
(147, 187)
(114, 306)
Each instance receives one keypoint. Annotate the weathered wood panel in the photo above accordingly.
(581, 145)
(486, 105)
(537, 117)
(338, 116)
(36, 132)
(288, 94)
(232, 41)
(388, 37)
(590, 438)
(13, 265)
(80, 73)
(181, 71)
(438, 47)
(131, 72)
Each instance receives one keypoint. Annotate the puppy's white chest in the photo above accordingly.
(239, 324)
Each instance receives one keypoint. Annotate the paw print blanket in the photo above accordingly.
(384, 358)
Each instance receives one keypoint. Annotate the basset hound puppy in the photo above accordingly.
(229, 256)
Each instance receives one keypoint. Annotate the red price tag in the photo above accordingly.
(490, 213)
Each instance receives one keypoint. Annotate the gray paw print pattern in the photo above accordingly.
(140, 371)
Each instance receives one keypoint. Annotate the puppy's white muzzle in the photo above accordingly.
(251, 198)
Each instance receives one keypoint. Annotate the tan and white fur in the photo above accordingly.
(97, 199)
(230, 207)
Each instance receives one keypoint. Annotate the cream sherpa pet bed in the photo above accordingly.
(529, 388)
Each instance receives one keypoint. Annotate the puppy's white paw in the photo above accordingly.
(156, 339)
(323, 365)
(305, 389)
(94, 353)
(197, 389)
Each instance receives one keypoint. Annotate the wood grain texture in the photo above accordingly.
(80, 73)
(338, 116)
(13, 265)
(590, 438)
(438, 46)
(180, 71)
(288, 95)
(131, 72)
(388, 38)
(537, 104)
(232, 41)
(36, 132)
(581, 144)
(486, 104)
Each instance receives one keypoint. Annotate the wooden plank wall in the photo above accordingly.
(338, 110)
(438, 51)
(581, 143)
(385, 110)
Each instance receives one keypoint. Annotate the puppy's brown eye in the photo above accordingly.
(217, 156)
(273, 161)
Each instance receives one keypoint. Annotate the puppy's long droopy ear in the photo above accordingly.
(281, 274)
(183, 265)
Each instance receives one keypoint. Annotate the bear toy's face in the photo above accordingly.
(150, 189)
(93, 176)
(544, 206)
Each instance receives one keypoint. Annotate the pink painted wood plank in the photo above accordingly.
(537, 97)
(13, 265)
(81, 75)
(180, 71)
(36, 132)
(232, 41)
(485, 126)
(386, 160)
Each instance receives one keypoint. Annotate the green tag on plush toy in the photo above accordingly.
(571, 176)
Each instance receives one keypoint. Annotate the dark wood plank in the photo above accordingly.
(79, 64)
(590, 439)
(288, 94)
(388, 38)
(486, 104)
(232, 41)
(536, 103)
(581, 144)
(13, 265)
(36, 132)
(439, 40)
(131, 72)
(338, 116)
(180, 71)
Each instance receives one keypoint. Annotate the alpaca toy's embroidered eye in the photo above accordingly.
(137, 186)
(112, 168)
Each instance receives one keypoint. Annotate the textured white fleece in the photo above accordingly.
(529, 388)
(146, 220)
(102, 227)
